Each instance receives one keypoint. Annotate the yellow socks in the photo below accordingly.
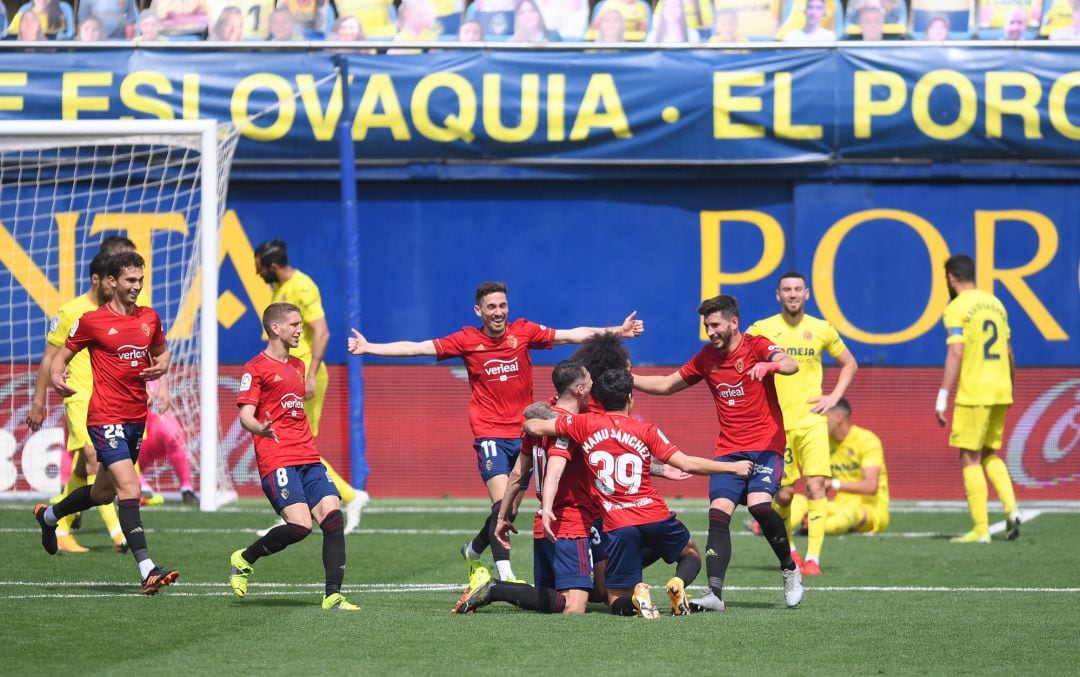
(63, 527)
(975, 487)
(816, 512)
(344, 488)
(998, 474)
(798, 510)
(108, 514)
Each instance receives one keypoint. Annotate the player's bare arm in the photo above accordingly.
(953, 356)
(36, 415)
(660, 385)
(848, 367)
(658, 468)
(630, 328)
(251, 424)
(539, 410)
(159, 364)
(539, 427)
(58, 369)
(702, 466)
(320, 338)
(867, 484)
(781, 363)
(503, 525)
(358, 345)
(553, 473)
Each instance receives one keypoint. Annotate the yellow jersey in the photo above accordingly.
(375, 16)
(301, 291)
(860, 449)
(805, 343)
(979, 321)
(80, 377)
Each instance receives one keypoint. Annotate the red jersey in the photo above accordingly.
(119, 347)
(618, 451)
(277, 391)
(500, 373)
(574, 506)
(748, 411)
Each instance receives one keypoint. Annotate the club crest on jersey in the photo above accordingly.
(512, 341)
(245, 382)
(808, 335)
(740, 365)
(145, 329)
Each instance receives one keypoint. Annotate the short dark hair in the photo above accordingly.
(114, 244)
(276, 312)
(613, 389)
(99, 265)
(726, 305)
(116, 263)
(600, 353)
(566, 375)
(961, 267)
(486, 288)
(271, 252)
(791, 273)
(844, 406)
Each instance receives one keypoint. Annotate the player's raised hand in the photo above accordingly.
(502, 528)
(759, 371)
(357, 343)
(266, 430)
(548, 519)
(823, 404)
(632, 327)
(35, 416)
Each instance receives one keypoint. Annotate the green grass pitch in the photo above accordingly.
(904, 603)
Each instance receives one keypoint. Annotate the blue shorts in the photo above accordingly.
(116, 442)
(298, 484)
(496, 456)
(766, 476)
(598, 541)
(563, 565)
(667, 537)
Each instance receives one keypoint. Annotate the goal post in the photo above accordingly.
(65, 185)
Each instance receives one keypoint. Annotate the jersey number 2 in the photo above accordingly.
(990, 329)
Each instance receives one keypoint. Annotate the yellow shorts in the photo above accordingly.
(807, 453)
(975, 428)
(75, 413)
(313, 407)
(877, 521)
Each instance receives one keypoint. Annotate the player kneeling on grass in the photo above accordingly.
(271, 401)
(617, 451)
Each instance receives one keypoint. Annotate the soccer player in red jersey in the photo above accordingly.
(271, 401)
(568, 563)
(497, 359)
(617, 450)
(739, 370)
(127, 349)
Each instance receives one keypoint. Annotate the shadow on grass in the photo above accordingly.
(271, 602)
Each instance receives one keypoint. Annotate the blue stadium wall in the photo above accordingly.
(596, 184)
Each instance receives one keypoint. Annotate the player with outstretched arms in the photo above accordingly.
(499, 365)
(127, 348)
(739, 370)
(618, 450)
(271, 401)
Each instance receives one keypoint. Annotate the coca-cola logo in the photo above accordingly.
(1044, 447)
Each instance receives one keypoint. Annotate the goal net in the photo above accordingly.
(65, 186)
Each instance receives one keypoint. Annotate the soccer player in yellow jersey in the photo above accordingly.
(293, 286)
(859, 478)
(979, 360)
(803, 403)
(84, 463)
